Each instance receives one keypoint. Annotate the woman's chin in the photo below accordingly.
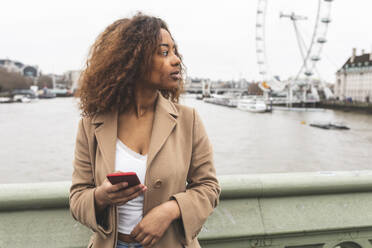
(170, 85)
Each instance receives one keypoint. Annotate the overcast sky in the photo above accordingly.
(216, 38)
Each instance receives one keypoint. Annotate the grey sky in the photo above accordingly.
(216, 38)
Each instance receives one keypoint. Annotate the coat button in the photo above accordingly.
(158, 184)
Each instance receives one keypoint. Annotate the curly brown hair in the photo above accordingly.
(121, 56)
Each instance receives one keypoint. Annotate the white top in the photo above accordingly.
(127, 160)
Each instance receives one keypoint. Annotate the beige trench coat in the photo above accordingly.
(179, 166)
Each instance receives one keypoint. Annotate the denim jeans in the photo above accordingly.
(122, 244)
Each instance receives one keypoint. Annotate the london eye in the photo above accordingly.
(307, 74)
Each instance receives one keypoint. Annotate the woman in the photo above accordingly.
(132, 122)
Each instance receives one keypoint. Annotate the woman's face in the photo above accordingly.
(166, 70)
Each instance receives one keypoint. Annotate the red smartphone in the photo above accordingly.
(119, 177)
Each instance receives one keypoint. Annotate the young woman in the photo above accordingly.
(132, 122)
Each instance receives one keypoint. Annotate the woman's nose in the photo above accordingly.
(176, 60)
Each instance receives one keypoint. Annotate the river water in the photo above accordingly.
(37, 140)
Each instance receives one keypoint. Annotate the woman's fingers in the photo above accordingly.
(117, 187)
(153, 241)
(122, 201)
(135, 231)
(123, 196)
(140, 237)
(147, 241)
(127, 191)
(118, 194)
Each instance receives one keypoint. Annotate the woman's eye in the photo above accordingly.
(165, 53)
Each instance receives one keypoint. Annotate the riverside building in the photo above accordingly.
(18, 67)
(354, 79)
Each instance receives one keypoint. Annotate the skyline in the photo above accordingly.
(216, 43)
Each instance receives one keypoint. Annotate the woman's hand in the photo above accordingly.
(107, 194)
(153, 225)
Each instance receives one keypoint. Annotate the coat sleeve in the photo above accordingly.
(202, 191)
(82, 203)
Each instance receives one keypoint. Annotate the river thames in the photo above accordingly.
(37, 140)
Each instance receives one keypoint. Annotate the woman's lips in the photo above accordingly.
(176, 75)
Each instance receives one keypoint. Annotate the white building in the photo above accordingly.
(354, 79)
(193, 85)
(18, 67)
(73, 77)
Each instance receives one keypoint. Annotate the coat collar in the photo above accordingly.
(165, 119)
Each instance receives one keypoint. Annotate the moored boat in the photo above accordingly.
(330, 125)
(221, 100)
(4, 99)
(252, 105)
(320, 125)
(339, 125)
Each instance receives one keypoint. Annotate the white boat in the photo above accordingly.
(223, 100)
(21, 98)
(4, 99)
(252, 105)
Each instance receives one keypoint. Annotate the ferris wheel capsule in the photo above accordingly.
(308, 73)
(315, 58)
(326, 20)
(321, 40)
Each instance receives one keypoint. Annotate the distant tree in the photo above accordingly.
(13, 80)
(44, 81)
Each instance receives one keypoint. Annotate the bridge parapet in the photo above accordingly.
(312, 210)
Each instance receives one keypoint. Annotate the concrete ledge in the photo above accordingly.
(267, 210)
(55, 194)
(291, 184)
(34, 196)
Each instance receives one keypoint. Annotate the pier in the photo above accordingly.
(291, 210)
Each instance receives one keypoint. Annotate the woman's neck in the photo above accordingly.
(144, 101)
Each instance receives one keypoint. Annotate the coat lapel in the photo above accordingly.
(165, 119)
(106, 134)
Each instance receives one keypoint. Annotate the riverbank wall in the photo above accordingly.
(346, 106)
